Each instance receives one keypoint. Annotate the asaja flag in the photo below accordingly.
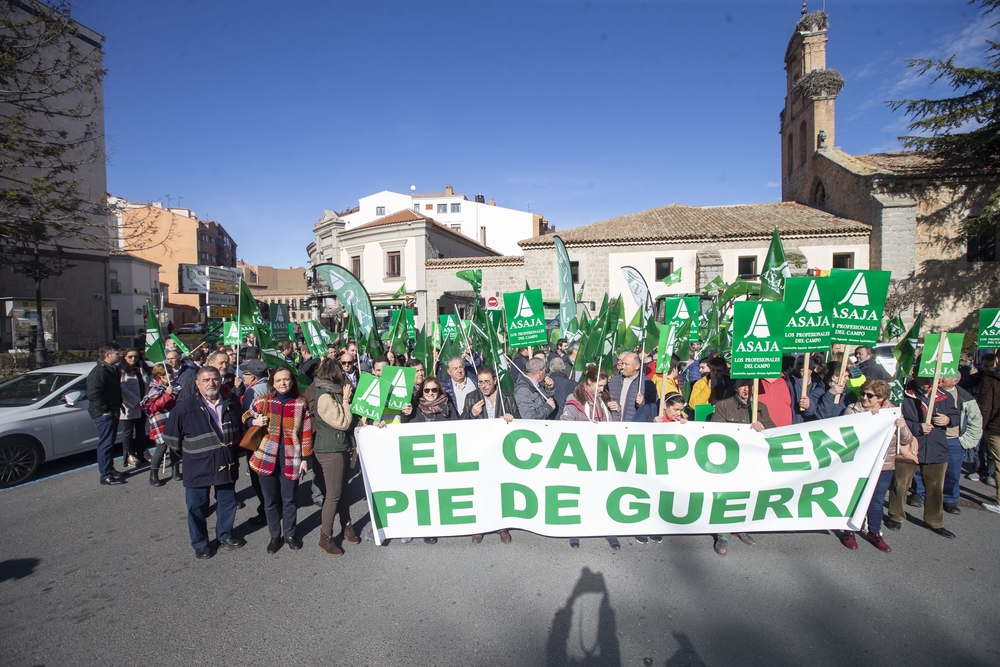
(525, 318)
(905, 352)
(667, 346)
(758, 337)
(230, 333)
(397, 383)
(772, 278)
(989, 328)
(947, 347)
(411, 327)
(279, 321)
(368, 400)
(314, 339)
(474, 277)
(717, 283)
(249, 314)
(859, 301)
(154, 339)
(673, 279)
(401, 292)
(564, 274)
(681, 310)
(894, 328)
(399, 340)
(808, 313)
(180, 345)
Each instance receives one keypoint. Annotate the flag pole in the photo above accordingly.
(468, 343)
(756, 388)
(806, 374)
(510, 362)
(840, 378)
(937, 377)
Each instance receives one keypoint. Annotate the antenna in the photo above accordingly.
(528, 204)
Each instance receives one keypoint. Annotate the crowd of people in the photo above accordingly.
(197, 408)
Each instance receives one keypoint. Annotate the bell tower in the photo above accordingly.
(807, 121)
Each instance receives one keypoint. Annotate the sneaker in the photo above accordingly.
(406, 540)
(656, 538)
(992, 507)
(878, 542)
(848, 540)
(973, 477)
(915, 501)
(641, 539)
(574, 542)
(370, 535)
(721, 546)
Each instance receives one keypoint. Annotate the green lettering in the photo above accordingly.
(823, 444)
(569, 450)
(662, 455)
(510, 449)
(447, 505)
(777, 451)
(635, 447)
(451, 462)
(408, 455)
(728, 464)
(774, 500)
(722, 504)
(696, 501)
(640, 511)
(820, 493)
(553, 503)
(423, 501)
(852, 506)
(386, 503)
(508, 502)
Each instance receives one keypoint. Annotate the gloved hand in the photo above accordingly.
(854, 372)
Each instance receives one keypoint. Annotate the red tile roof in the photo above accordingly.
(408, 215)
(472, 262)
(918, 163)
(679, 223)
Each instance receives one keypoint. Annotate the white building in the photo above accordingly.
(133, 281)
(494, 226)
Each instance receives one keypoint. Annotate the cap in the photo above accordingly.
(255, 367)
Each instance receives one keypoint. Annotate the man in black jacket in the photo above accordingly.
(562, 385)
(104, 393)
(869, 365)
(488, 400)
(206, 428)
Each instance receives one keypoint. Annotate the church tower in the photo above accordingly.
(807, 121)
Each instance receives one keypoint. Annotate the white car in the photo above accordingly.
(885, 357)
(43, 416)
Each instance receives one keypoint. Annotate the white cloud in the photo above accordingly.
(773, 184)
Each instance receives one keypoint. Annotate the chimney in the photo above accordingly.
(448, 190)
(480, 199)
(482, 235)
(491, 202)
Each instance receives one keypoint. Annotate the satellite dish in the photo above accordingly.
(413, 188)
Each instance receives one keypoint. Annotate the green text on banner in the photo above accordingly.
(758, 336)
(949, 346)
(858, 304)
(989, 328)
(525, 318)
(809, 307)
(580, 479)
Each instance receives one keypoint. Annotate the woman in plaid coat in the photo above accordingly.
(157, 404)
(280, 461)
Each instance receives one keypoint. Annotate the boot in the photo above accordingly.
(328, 546)
(154, 478)
(177, 472)
(349, 535)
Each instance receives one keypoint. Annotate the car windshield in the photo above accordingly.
(32, 388)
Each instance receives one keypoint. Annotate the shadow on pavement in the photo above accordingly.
(584, 631)
(18, 568)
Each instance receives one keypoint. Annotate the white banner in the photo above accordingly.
(579, 479)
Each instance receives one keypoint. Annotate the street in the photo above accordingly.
(92, 575)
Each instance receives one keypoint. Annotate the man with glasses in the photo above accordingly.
(350, 368)
(104, 393)
(206, 428)
(489, 401)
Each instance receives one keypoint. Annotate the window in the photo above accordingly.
(428, 207)
(819, 195)
(574, 271)
(442, 208)
(843, 260)
(291, 315)
(791, 153)
(747, 267)
(293, 304)
(980, 241)
(456, 208)
(380, 210)
(416, 208)
(356, 266)
(664, 267)
(456, 228)
(802, 143)
(393, 264)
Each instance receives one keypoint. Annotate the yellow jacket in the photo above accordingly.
(701, 392)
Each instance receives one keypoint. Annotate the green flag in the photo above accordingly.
(946, 347)
(564, 276)
(474, 277)
(400, 385)
(525, 318)
(989, 328)
(180, 345)
(666, 346)
(422, 350)
(249, 314)
(154, 339)
(314, 339)
(399, 340)
(905, 352)
(717, 283)
(579, 292)
(368, 400)
(772, 278)
(894, 328)
(759, 335)
(673, 279)
(213, 334)
(231, 333)
(401, 292)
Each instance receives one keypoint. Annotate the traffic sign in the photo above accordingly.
(221, 311)
(216, 299)
(224, 275)
(223, 287)
(492, 302)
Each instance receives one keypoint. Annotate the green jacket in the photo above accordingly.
(331, 412)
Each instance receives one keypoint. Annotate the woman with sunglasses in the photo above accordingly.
(875, 396)
(135, 380)
(432, 406)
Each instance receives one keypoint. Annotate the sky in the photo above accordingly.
(260, 115)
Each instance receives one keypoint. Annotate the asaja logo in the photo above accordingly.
(775, 277)
(671, 343)
(996, 321)
(279, 316)
(682, 313)
(944, 349)
(152, 337)
(858, 294)
(372, 395)
(523, 307)
(398, 387)
(811, 303)
(758, 336)
(758, 325)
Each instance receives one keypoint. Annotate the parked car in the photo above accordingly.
(192, 328)
(884, 355)
(43, 417)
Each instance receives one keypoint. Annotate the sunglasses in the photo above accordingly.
(430, 391)
(346, 363)
(868, 394)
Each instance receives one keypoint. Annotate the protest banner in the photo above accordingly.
(525, 318)
(859, 301)
(989, 328)
(579, 479)
(808, 327)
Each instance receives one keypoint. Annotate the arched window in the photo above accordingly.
(791, 153)
(802, 143)
(819, 195)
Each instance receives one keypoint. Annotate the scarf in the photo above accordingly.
(588, 407)
(156, 389)
(433, 407)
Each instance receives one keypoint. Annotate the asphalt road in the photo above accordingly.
(93, 575)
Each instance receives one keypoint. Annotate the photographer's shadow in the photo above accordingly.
(584, 631)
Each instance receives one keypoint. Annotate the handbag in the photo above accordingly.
(252, 438)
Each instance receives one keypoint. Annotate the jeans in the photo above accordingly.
(279, 501)
(197, 511)
(875, 509)
(953, 476)
(107, 429)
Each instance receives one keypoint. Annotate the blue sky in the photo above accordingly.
(260, 115)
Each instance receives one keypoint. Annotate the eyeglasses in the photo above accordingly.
(132, 356)
(487, 382)
(868, 394)
(346, 363)
(430, 391)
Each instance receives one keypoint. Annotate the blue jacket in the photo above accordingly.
(816, 392)
(209, 456)
(629, 407)
(931, 447)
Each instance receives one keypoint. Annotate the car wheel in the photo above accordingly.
(19, 460)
